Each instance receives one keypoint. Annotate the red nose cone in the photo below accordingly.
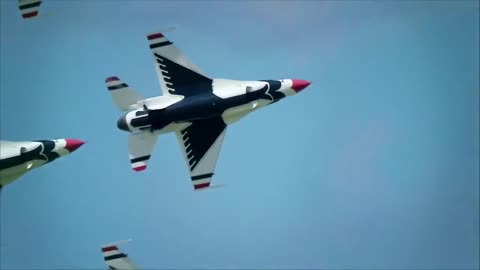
(73, 144)
(299, 85)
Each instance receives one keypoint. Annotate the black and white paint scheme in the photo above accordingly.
(17, 158)
(196, 108)
(116, 259)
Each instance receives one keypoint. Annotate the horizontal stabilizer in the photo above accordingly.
(140, 147)
(123, 96)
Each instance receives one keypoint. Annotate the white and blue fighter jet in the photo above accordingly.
(197, 108)
(17, 158)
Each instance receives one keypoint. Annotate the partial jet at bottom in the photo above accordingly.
(115, 259)
(196, 108)
(29, 8)
(17, 158)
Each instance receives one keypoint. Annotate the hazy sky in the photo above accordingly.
(374, 165)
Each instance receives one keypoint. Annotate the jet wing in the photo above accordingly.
(200, 144)
(176, 73)
(140, 147)
(29, 8)
(114, 259)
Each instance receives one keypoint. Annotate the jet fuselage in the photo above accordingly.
(197, 108)
(226, 99)
(16, 158)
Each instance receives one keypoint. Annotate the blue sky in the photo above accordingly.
(374, 165)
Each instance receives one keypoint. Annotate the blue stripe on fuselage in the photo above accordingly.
(47, 153)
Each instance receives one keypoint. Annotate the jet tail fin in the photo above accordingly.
(123, 96)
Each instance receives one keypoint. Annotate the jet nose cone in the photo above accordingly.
(299, 85)
(122, 123)
(73, 144)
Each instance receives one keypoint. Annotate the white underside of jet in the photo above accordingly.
(200, 125)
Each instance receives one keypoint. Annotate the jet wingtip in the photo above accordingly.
(30, 15)
(208, 187)
(109, 248)
(139, 168)
(112, 79)
(159, 33)
(155, 35)
(115, 244)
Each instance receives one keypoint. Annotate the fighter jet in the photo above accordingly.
(196, 108)
(17, 158)
(114, 259)
(29, 8)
